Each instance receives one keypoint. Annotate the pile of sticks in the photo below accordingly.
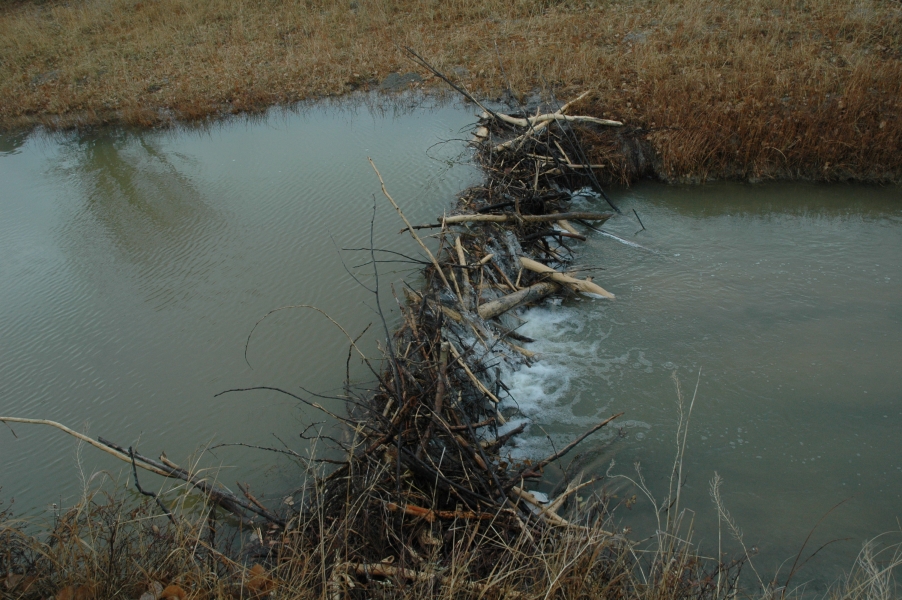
(426, 469)
(427, 460)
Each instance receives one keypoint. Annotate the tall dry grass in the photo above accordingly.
(113, 545)
(754, 89)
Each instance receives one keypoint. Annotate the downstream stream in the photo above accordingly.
(133, 266)
(786, 297)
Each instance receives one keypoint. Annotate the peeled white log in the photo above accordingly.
(566, 226)
(582, 285)
(549, 515)
(521, 138)
(548, 120)
(576, 119)
(589, 216)
(556, 116)
(505, 303)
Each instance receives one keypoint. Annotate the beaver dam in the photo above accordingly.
(419, 497)
(420, 493)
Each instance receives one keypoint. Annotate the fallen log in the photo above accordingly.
(582, 285)
(535, 292)
(221, 497)
(587, 216)
(510, 217)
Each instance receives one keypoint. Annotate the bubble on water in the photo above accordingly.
(546, 393)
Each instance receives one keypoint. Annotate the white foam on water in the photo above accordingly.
(545, 393)
(538, 388)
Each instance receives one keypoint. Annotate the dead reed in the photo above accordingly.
(710, 90)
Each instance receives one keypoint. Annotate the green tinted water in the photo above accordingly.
(788, 297)
(133, 266)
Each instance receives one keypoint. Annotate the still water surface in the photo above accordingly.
(134, 265)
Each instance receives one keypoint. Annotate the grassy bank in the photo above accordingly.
(108, 547)
(708, 89)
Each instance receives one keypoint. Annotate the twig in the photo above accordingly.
(153, 495)
(409, 226)
(638, 219)
(121, 455)
(545, 462)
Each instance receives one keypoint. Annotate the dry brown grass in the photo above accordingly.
(764, 88)
(115, 547)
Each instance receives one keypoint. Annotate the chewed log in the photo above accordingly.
(587, 216)
(566, 226)
(582, 285)
(510, 218)
(505, 303)
(555, 116)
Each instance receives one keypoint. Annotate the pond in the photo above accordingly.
(134, 266)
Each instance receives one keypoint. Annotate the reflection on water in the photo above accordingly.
(134, 265)
(10, 143)
(787, 297)
(140, 204)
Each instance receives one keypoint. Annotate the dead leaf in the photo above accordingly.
(173, 592)
(259, 582)
(67, 593)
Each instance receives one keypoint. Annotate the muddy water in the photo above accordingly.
(788, 298)
(133, 266)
